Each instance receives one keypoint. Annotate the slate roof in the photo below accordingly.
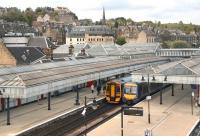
(79, 31)
(38, 42)
(26, 55)
(41, 42)
(182, 67)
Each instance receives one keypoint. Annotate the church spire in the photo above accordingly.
(104, 18)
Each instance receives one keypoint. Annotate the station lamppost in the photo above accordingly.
(192, 101)
(75, 88)
(148, 98)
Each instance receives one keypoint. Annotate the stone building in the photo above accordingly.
(146, 36)
(129, 32)
(93, 35)
(53, 25)
(173, 35)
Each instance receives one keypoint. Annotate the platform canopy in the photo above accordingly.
(29, 81)
(185, 71)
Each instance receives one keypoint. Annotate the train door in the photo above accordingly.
(112, 91)
(118, 93)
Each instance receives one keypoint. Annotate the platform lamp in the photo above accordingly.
(76, 89)
(142, 78)
(153, 79)
(148, 100)
(165, 79)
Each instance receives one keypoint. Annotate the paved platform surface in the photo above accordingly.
(172, 118)
(32, 114)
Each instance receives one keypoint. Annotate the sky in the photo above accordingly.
(138, 10)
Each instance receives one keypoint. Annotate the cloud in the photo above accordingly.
(166, 11)
(124, 5)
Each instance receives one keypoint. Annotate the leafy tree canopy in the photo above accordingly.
(120, 40)
(175, 44)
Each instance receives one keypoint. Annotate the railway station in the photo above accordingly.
(68, 68)
(60, 92)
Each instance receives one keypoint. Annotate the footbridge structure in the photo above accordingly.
(179, 52)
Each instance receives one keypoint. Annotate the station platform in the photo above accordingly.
(172, 118)
(32, 114)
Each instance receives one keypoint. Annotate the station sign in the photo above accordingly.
(148, 98)
(134, 111)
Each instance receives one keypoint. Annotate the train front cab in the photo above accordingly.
(113, 92)
(130, 92)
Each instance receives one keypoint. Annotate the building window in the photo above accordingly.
(102, 39)
(97, 39)
(77, 39)
(83, 39)
(70, 39)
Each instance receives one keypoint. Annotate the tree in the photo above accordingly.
(165, 45)
(29, 16)
(180, 22)
(121, 41)
(116, 24)
(180, 44)
(129, 21)
(13, 14)
(121, 21)
(159, 23)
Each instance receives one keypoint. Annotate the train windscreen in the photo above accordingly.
(130, 90)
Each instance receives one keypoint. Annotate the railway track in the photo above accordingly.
(74, 123)
(196, 130)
